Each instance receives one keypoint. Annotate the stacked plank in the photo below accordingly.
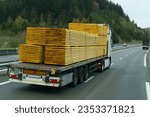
(90, 28)
(61, 46)
(64, 55)
(30, 53)
(101, 39)
(55, 37)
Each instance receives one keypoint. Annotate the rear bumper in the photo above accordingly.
(34, 82)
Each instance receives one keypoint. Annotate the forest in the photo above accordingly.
(16, 15)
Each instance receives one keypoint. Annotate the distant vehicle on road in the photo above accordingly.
(145, 44)
(124, 44)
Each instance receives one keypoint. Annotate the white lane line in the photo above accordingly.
(112, 64)
(145, 60)
(3, 83)
(89, 79)
(147, 51)
(120, 58)
(147, 90)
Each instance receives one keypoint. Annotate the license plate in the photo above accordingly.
(33, 76)
(34, 72)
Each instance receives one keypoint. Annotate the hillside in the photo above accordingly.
(16, 15)
(147, 29)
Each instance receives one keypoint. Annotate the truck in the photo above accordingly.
(145, 44)
(58, 75)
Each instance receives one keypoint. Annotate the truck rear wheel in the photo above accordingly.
(86, 72)
(75, 77)
(81, 74)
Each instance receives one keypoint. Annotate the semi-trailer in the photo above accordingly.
(60, 75)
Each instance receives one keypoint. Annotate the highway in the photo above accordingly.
(8, 58)
(127, 79)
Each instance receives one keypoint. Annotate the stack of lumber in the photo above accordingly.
(30, 53)
(60, 37)
(54, 37)
(64, 55)
(61, 46)
(90, 28)
(38, 35)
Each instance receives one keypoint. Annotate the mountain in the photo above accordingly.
(147, 29)
(16, 15)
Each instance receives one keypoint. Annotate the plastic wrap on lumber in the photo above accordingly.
(30, 53)
(90, 28)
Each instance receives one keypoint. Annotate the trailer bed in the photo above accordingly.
(57, 68)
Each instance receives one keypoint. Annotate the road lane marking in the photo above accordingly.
(3, 83)
(89, 79)
(112, 64)
(145, 60)
(120, 58)
(147, 90)
(147, 51)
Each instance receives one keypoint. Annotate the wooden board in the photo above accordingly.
(39, 35)
(62, 55)
(90, 28)
(102, 51)
(69, 55)
(102, 40)
(59, 46)
(30, 53)
(59, 37)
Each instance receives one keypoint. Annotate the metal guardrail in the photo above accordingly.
(9, 51)
(3, 67)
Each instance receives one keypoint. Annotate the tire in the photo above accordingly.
(81, 75)
(101, 67)
(75, 77)
(109, 62)
(86, 72)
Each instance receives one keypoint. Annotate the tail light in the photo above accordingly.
(54, 81)
(13, 76)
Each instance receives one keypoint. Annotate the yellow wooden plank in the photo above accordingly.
(90, 28)
(30, 53)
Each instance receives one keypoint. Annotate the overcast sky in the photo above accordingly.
(137, 10)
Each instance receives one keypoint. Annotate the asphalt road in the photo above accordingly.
(125, 80)
(7, 58)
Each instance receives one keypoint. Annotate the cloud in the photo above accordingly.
(137, 10)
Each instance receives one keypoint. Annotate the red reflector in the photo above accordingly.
(54, 81)
(13, 76)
